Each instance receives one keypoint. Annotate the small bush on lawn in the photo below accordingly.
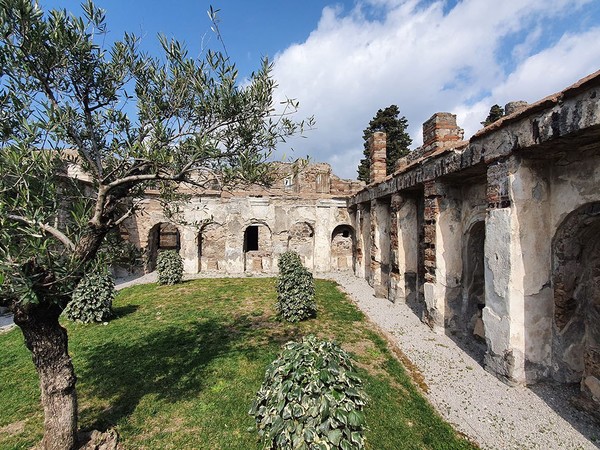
(170, 267)
(311, 398)
(295, 289)
(92, 299)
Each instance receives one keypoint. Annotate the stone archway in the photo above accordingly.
(211, 248)
(576, 283)
(162, 236)
(342, 248)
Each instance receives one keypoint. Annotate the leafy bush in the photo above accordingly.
(295, 289)
(311, 398)
(170, 267)
(92, 299)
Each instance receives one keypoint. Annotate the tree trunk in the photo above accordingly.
(47, 340)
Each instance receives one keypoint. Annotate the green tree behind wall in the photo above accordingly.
(398, 141)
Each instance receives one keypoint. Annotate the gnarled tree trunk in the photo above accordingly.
(47, 340)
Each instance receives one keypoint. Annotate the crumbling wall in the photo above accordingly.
(494, 232)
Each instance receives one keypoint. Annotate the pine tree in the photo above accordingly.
(397, 139)
(496, 113)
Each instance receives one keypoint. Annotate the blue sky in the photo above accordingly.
(344, 60)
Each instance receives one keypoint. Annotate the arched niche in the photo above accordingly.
(301, 239)
(576, 285)
(211, 248)
(342, 247)
(162, 236)
(258, 248)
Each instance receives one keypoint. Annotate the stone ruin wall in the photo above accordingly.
(245, 231)
(496, 240)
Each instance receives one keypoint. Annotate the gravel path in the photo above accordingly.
(475, 402)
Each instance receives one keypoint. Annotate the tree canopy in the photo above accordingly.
(496, 113)
(397, 139)
(84, 130)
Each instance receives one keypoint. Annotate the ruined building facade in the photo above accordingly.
(244, 232)
(494, 241)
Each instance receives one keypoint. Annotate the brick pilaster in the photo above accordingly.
(497, 193)
(377, 151)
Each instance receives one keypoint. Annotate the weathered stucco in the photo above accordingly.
(500, 235)
(246, 231)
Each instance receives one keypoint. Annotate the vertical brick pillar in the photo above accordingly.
(377, 152)
(440, 131)
(432, 196)
(498, 185)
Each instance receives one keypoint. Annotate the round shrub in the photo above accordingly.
(170, 267)
(295, 289)
(92, 299)
(311, 398)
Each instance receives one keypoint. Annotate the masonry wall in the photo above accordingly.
(300, 212)
(496, 241)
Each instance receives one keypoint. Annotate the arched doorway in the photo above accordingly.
(342, 247)
(258, 248)
(576, 283)
(162, 236)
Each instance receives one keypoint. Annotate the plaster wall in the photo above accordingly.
(226, 219)
(406, 253)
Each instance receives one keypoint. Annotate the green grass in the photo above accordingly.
(179, 366)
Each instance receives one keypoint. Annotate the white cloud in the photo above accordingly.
(542, 74)
(424, 59)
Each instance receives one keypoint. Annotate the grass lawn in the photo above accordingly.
(179, 366)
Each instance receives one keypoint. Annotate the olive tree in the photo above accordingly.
(84, 129)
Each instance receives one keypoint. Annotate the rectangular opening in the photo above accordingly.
(251, 239)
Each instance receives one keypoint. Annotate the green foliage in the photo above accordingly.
(125, 121)
(169, 266)
(496, 113)
(128, 119)
(295, 289)
(398, 140)
(311, 398)
(117, 252)
(92, 299)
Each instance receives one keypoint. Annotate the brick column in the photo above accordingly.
(378, 156)
(442, 241)
(440, 131)
(432, 196)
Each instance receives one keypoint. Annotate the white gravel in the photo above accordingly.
(475, 402)
(6, 322)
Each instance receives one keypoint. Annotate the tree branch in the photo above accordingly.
(46, 228)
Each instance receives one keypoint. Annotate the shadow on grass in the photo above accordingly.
(171, 364)
(122, 311)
